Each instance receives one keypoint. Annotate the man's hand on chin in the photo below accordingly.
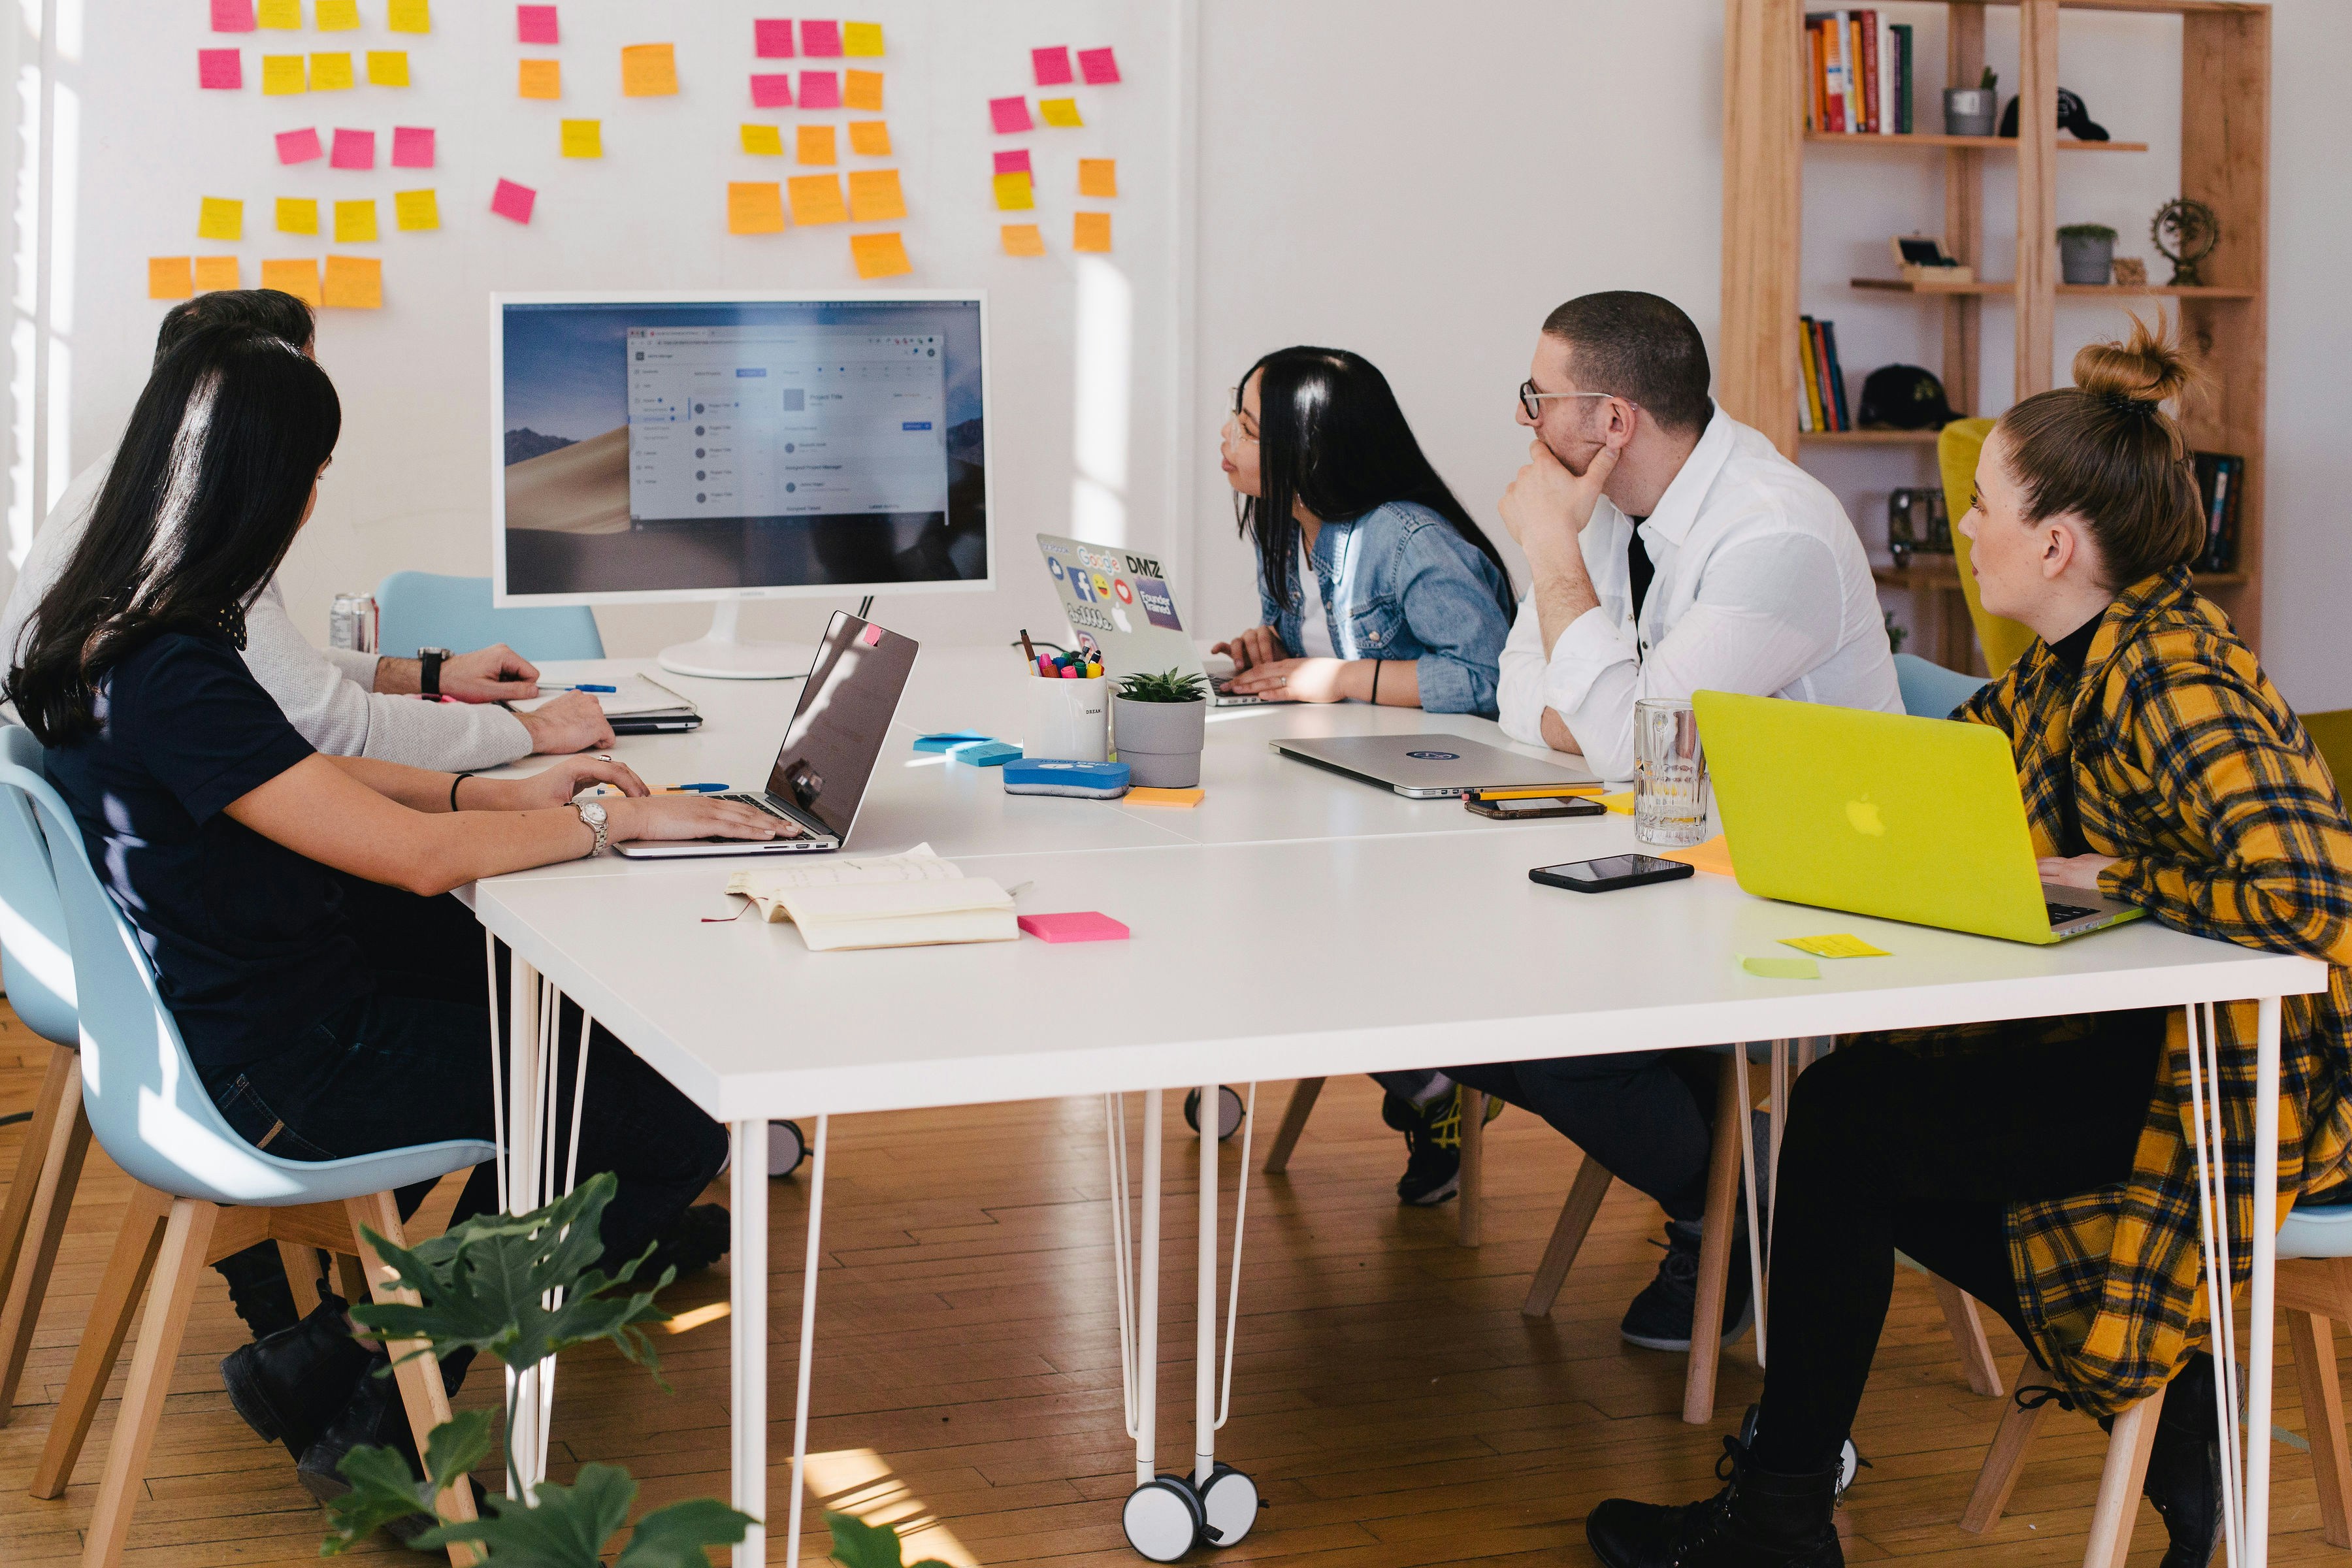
(1546, 507)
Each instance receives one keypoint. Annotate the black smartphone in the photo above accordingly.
(1610, 873)
(1529, 808)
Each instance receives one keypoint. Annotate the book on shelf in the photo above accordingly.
(1824, 408)
(2220, 481)
(1860, 73)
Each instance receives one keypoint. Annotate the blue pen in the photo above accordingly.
(699, 788)
(584, 686)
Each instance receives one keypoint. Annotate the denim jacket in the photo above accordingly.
(1401, 584)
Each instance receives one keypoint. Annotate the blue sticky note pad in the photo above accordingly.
(983, 753)
(949, 739)
(1087, 781)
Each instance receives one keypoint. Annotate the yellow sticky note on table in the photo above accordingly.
(1182, 799)
(409, 17)
(170, 278)
(862, 89)
(583, 138)
(816, 198)
(861, 40)
(1024, 239)
(354, 283)
(879, 255)
(815, 145)
(387, 68)
(1090, 232)
(337, 16)
(1014, 192)
(215, 272)
(1714, 857)
(1841, 945)
(298, 277)
(539, 79)
(282, 74)
(1782, 968)
(330, 73)
(1061, 111)
(874, 196)
(648, 70)
(220, 217)
(298, 214)
(755, 207)
(354, 222)
(279, 15)
(1098, 177)
(414, 210)
(763, 141)
(869, 138)
(1620, 803)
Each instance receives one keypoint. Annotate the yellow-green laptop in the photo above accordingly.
(1875, 813)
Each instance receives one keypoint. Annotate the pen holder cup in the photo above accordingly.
(1068, 720)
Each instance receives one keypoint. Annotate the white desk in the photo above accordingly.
(1427, 944)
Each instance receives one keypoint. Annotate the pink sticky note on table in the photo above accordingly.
(820, 90)
(1083, 925)
(353, 149)
(1013, 163)
(514, 201)
(1010, 115)
(232, 16)
(1099, 66)
(821, 40)
(412, 146)
(772, 37)
(537, 25)
(772, 91)
(220, 69)
(299, 146)
(1052, 66)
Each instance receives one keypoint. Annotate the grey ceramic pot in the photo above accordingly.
(1160, 741)
(1969, 111)
(2085, 258)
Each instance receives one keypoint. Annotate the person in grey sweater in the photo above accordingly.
(345, 703)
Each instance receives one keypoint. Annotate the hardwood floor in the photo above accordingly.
(1391, 1403)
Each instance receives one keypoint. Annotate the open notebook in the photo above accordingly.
(914, 900)
(638, 706)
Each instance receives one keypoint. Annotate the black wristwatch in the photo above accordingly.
(429, 677)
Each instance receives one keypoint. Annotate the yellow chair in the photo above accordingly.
(1956, 447)
(2332, 733)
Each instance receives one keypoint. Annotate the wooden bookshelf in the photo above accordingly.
(2224, 162)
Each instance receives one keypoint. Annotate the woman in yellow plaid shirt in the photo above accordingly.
(2046, 1167)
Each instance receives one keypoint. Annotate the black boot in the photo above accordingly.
(2184, 1466)
(372, 1417)
(1759, 1521)
(289, 1386)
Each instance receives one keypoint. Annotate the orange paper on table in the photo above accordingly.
(879, 255)
(816, 198)
(874, 196)
(539, 79)
(1099, 176)
(763, 141)
(1712, 856)
(869, 138)
(1014, 192)
(1022, 239)
(815, 145)
(862, 89)
(170, 278)
(1090, 232)
(354, 283)
(298, 277)
(648, 70)
(215, 272)
(754, 206)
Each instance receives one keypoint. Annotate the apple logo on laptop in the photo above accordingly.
(1864, 815)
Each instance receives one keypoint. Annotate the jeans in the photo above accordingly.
(1647, 1116)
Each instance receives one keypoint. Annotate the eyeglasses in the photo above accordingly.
(1533, 401)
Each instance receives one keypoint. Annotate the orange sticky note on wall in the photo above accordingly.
(215, 272)
(879, 255)
(297, 277)
(1022, 239)
(1090, 231)
(862, 89)
(1098, 177)
(869, 138)
(816, 145)
(816, 198)
(170, 278)
(874, 196)
(648, 70)
(763, 141)
(354, 283)
(539, 79)
(1014, 193)
(220, 217)
(754, 206)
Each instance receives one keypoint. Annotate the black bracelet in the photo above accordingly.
(454, 781)
(1376, 683)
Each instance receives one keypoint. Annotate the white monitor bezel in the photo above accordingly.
(500, 597)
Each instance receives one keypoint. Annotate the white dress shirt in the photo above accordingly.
(1762, 587)
(326, 694)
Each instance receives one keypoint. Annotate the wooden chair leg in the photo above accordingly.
(119, 1289)
(1961, 1317)
(1470, 1216)
(178, 1267)
(2119, 1483)
(419, 1373)
(16, 1215)
(62, 1131)
(1576, 1216)
(2004, 1463)
(1303, 1095)
(302, 1273)
(1714, 1245)
(2313, 1338)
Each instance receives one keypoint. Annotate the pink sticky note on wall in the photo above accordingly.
(514, 201)
(299, 146)
(412, 146)
(821, 40)
(772, 91)
(772, 37)
(1013, 163)
(537, 25)
(353, 149)
(220, 69)
(1100, 67)
(820, 90)
(1085, 925)
(232, 16)
(1010, 115)
(1052, 66)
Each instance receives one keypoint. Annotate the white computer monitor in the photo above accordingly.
(652, 448)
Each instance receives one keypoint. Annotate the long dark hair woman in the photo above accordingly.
(334, 1002)
(1374, 584)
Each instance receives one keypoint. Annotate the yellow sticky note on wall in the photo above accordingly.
(337, 16)
(861, 39)
(862, 89)
(539, 79)
(298, 277)
(298, 214)
(1061, 111)
(815, 145)
(215, 272)
(220, 217)
(869, 138)
(1090, 232)
(413, 210)
(354, 222)
(282, 74)
(754, 206)
(648, 70)
(409, 17)
(170, 278)
(1014, 193)
(583, 138)
(330, 73)
(874, 196)
(879, 255)
(1098, 177)
(354, 283)
(387, 68)
(279, 15)
(763, 141)
(816, 198)
(1022, 239)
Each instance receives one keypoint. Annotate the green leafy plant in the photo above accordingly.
(1896, 636)
(1169, 687)
(2085, 231)
(1988, 81)
(521, 1287)
(857, 1544)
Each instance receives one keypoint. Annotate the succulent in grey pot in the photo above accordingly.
(1972, 110)
(1160, 723)
(2087, 252)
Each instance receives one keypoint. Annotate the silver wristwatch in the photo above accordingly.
(594, 816)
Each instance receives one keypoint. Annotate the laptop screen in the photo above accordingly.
(845, 713)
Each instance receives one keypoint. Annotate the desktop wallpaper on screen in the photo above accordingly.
(656, 447)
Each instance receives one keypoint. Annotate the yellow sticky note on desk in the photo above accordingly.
(763, 141)
(754, 206)
(583, 138)
(387, 68)
(1099, 176)
(1060, 111)
(816, 198)
(1014, 193)
(1090, 231)
(1842, 945)
(413, 210)
(1142, 795)
(298, 214)
(879, 255)
(214, 273)
(1712, 856)
(539, 79)
(282, 74)
(337, 16)
(648, 70)
(170, 278)
(330, 72)
(356, 222)
(409, 17)
(862, 89)
(298, 277)
(861, 39)
(220, 217)
(354, 283)
(1620, 803)
(874, 196)
(814, 145)
(1782, 968)
(869, 138)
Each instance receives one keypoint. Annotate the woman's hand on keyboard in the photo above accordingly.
(558, 784)
(678, 816)
(2075, 870)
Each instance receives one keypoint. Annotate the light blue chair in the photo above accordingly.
(1931, 691)
(203, 1192)
(419, 609)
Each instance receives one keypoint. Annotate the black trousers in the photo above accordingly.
(1647, 1116)
(1887, 1150)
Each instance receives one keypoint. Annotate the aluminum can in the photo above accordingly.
(351, 623)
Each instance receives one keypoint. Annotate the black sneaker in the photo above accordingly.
(289, 1386)
(1660, 1317)
(689, 1244)
(1432, 1141)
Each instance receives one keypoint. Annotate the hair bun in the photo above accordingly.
(2147, 369)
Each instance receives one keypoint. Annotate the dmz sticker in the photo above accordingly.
(1435, 756)
(1158, 603)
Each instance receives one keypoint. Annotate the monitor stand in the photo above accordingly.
(717, 654)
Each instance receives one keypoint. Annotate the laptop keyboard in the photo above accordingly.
(759, 803)
(2061, 913)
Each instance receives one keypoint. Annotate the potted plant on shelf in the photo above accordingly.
(1160, 724)
(1970, 110)
(2085, 252)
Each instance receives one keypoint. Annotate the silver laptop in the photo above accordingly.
(1431, 767)
(1119, 605)
(822, 770)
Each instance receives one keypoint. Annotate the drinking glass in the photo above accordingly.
(1669, 785)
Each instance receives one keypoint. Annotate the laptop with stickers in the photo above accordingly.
(1120, 609)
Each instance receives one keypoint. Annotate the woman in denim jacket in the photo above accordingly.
(1413, 603)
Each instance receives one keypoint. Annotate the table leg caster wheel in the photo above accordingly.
(1229, 1110)
(1162, 1518)
(787, 1147)
(1228, 1506)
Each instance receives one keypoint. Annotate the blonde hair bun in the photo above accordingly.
(2149, 367)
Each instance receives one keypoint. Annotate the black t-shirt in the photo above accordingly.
(1639, 568)
(248, 937)
(2072, 651)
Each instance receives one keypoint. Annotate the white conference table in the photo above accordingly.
(1423, 943)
